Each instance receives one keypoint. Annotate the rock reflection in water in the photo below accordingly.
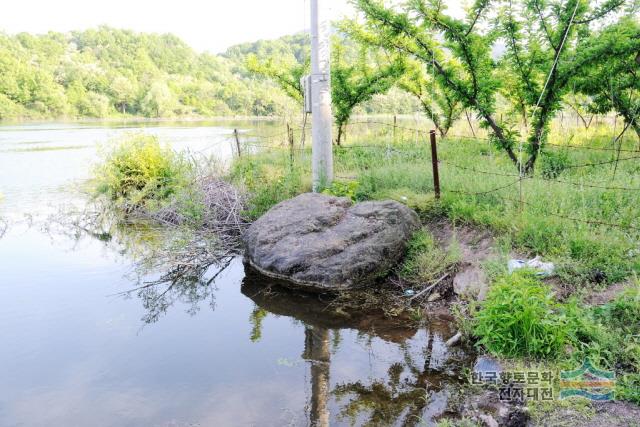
(417, 386)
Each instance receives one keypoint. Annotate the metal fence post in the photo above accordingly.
(434, 164)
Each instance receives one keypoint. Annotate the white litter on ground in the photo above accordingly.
(545, 268)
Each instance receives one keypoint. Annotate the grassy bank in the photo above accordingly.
(584, 218)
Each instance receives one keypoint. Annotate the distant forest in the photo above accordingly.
(107, 72)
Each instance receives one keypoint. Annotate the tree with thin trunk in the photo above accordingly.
(581, 105)
(357, 74)
(548, 44)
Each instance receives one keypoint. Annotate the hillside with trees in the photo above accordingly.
(107, 72)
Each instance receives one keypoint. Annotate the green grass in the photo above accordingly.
(426, 261)
(522, 318)
(269, 179)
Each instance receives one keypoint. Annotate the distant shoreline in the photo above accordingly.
(193, 119)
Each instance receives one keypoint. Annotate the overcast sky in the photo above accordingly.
(210, 25)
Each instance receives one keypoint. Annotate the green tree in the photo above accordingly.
(580, 104)
(285, 73)
(94, 104)
(548, 43)
(615, 85)
(123, 92)
(355, 82)
(158, 101)
(358, 73)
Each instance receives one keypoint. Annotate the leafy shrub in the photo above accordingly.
(139, 173)
(520, 317)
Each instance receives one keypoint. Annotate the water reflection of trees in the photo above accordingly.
(415, 386)
(186, 272)
(411, 393)
(182, 267)
(170, 265)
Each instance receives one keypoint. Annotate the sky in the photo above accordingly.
(211, 25)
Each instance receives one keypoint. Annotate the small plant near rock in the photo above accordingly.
(343, 189)
(426, 261)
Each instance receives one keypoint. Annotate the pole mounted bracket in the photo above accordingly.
(305, 84)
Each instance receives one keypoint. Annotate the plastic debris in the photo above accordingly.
(454, 339)
(544, 268)
(409, 293)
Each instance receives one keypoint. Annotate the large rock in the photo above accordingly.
(322, 242)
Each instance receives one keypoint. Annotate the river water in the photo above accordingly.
(76, 351)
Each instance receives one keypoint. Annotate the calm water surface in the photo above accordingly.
(75, 352)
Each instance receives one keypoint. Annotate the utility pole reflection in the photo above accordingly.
(316, 350)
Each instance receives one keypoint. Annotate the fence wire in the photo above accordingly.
(250, 142)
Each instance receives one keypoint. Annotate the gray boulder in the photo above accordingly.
(326, 243)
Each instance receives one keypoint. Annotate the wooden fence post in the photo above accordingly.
(235, 133)
(395, 125)
(290, 136)
(434, 164)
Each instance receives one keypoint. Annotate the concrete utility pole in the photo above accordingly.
(322, 118)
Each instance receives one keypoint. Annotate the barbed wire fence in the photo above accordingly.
(403, 142)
